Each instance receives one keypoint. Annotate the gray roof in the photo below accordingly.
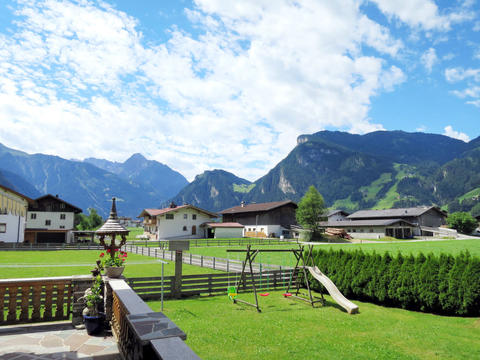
(257, 207)
(393, 213)
(353, 223)
(112, 225)
(333, 212)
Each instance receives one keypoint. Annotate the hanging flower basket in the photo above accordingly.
(114, 271)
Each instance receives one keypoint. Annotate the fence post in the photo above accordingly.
(213, 263)
(201, 261)
(190, 258)
(228, 265)
(156, 253)
(148, 251)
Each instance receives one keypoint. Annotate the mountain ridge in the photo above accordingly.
(376, 170)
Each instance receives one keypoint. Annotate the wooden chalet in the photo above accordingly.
(50, 220)
(272, 219)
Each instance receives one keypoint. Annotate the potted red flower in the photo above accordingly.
(113, 262)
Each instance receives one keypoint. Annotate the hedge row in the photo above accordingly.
(438, 284)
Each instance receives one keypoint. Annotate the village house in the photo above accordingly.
(399, 223)
(50, 220)
(222, 230)
(182, 221)
(13, 211)
(272, 219)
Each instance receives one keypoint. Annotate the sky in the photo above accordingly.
(208, 84)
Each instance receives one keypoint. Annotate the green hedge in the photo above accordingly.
(439, 284)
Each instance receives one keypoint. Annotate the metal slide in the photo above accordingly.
(333, 291)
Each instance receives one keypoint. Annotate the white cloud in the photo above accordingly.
(428, 59)
(448, 56)
(471, 79)
(78, 79)
(455, 134)
(421, 128)
(459, 74)
(421, 14)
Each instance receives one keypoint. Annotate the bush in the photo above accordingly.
(462, 222)
(438, 284)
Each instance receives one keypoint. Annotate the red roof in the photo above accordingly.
(225, 225)
(257, 207)
(156, 212)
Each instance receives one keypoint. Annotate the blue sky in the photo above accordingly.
(230, 84)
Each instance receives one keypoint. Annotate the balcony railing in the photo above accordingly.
(142, 333)
(40, 299)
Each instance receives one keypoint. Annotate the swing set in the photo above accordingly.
(300, 269)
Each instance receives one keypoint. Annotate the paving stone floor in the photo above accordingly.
(54, 341)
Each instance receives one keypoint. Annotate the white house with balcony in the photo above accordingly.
(13, 210)
(176, 222)
(50, 220)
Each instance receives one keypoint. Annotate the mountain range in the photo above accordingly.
(89, 186)
(381, 169)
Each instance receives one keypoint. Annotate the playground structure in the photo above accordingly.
(336, 295)
(298, 270)
(298, 274)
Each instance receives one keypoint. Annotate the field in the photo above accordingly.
(24, 264)
(287, 329)
(447, 246)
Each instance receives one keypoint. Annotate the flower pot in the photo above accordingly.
(114, 271)
(94, 324)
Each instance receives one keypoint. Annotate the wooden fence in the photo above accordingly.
(216, 242)
(149, 288)
(211, 262)
(48, 246)
(36, 300)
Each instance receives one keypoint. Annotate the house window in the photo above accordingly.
(194, 216)
(169, 216)
(184, 228)
(3, 228)
(185, 216)
(33, 216)
(62, 216)
(371, 230)
(62, 206)
(48, 222)
(354, 230)
(62, 226)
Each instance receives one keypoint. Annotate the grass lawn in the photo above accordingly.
(288, 329)
(23, 264)
(448, 246)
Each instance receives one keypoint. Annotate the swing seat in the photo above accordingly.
(287, 294)
(265, 294)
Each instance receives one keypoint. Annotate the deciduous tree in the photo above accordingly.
(310, 208)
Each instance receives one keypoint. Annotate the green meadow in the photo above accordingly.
(288, 329)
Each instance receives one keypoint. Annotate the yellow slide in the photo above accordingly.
(333, 291)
